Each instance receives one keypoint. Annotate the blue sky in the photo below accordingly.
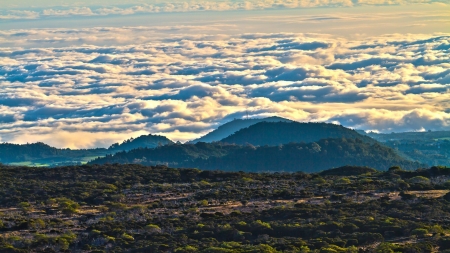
(84, 74)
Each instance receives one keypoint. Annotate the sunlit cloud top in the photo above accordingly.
(88, 74)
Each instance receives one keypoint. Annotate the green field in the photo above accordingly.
(31, 164)
(55, 161)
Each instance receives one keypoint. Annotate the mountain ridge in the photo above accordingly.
(233, 126)
(275, 133)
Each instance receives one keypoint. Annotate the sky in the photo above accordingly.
(84, 74)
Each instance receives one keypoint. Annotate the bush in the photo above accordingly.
(419, 180)
(419, 232)
(127, 237)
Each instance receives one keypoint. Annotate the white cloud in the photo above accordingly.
(86, 95)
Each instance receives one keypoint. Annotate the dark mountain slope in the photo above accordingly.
(143, 141)
(21, 152)
(275, 133)
(306, 157)
(233, 126)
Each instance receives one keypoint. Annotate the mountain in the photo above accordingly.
(233, 126)
(306, 157)
(275, 133)
(143, 141)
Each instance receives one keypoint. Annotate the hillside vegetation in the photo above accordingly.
(307, 157)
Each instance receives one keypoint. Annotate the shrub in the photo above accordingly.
(127, 237)
(419, 232)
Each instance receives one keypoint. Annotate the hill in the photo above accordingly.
(306, 157)
(17, 152)
(143, 141)
(234, 126)
(275, 133)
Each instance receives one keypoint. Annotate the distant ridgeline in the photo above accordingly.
(411, 136)
(40, 154)
(431, 148)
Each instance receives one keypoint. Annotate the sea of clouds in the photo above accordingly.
(59, 87)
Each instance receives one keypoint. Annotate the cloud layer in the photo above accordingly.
(71, 94)
(25, 10)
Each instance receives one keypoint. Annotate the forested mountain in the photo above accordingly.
(274, 133)
(143, 141)
(17, 152)
(234, 126)
(306, 157)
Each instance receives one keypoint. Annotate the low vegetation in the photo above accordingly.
(306, 157)
(134, 208)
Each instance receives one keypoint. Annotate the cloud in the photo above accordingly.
(149, 6)
(183, 85)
